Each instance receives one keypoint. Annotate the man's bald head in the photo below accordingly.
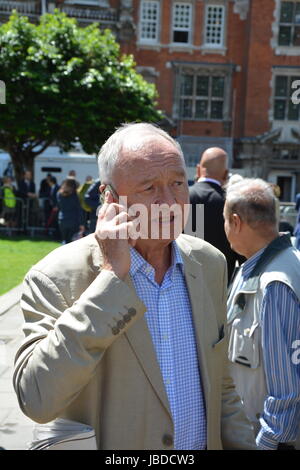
(213, 164)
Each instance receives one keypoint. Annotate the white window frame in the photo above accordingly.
(281, 50)
(225, 70)
(149, 40)
(189, 29)
(211, 45)
(287, 98)
(291, 25)
(194, 98)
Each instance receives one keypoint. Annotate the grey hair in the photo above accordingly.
(111, 150)
(254, 201)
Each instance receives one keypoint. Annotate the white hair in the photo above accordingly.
(111, 150)
(233, 179)
(253, 200)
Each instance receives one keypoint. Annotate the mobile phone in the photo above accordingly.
(111, 190)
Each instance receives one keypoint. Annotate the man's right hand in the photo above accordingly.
(112, 234)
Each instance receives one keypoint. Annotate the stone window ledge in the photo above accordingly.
(287, 50)
(213, 50)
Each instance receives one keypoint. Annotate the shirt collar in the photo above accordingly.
(209, 180)
(248, 266)
(138, 263)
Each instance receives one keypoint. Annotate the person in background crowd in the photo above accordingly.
(9, 170)
(26, 186)
(264, 315)
(127, 334)
(44, 194)
(298, 202)
(9, 203)
(44, 190)
(212, 173)
(81, 193)
(54, 187)
(72, 175)
(26, 190)
(70, 217)
(92, 199)
(52, 221)
(297, 227)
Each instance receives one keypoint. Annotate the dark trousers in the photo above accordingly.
(67, 231)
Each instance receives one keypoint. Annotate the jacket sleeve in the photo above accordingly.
(236, 430)
(64, 344)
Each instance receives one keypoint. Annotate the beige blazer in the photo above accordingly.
(88, 354)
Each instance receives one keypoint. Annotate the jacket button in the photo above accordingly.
(167, 440)
(127, 318)
(132, 311)
(121, 324)
(115, 330)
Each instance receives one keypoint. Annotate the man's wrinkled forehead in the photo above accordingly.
(148, 142)
(147, 153)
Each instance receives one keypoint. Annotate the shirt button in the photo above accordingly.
(168, 381)
(165, 337)
(167, 440)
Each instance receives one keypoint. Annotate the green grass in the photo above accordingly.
(16, 258)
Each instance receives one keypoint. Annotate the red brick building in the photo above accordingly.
(224, 71)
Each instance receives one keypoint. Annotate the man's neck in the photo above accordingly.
(259, 244)
(158, 255)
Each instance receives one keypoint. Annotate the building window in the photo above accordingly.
(202, 97)
(149, 22)
(182, 23)
(284, 109)
(214, 25)
(289, 24)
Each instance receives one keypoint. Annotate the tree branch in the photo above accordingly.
(42, 148)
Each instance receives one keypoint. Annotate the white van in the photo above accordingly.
(59, 165)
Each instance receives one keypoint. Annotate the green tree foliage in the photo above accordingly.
(65, 84)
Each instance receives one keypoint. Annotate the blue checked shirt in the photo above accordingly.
(169, 319)
(280, 323)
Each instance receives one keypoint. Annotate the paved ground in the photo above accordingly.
(15, 427)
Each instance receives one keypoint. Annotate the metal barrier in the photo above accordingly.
(30, 216)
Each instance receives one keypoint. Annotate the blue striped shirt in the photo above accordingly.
(280, 323)
(169, 319)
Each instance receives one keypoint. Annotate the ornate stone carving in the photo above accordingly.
(295, 133)
(126, 24)
(241, 7)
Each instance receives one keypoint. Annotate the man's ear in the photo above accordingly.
(236, 223)
(201, 171)
(225, 176)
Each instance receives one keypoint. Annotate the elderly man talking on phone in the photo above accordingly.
(125, 332)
